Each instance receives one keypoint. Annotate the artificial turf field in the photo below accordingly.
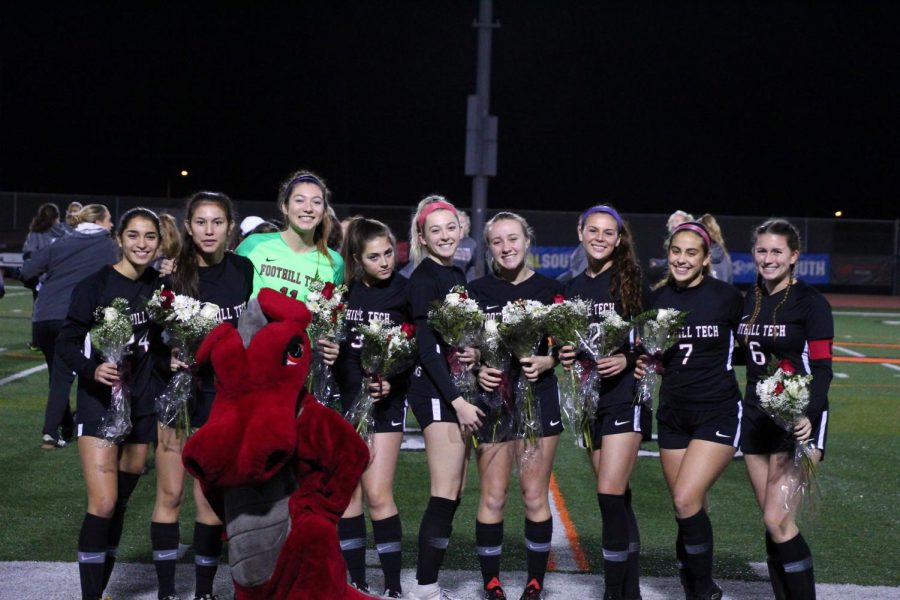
(853, 534)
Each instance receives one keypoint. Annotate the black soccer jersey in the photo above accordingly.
(228, 285)
(383, 301)
(428, 283)
(616, 389)
(492, 293)
(698, 370)
(801, 331)
(149, 357)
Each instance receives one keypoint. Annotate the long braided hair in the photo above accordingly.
(786, 229)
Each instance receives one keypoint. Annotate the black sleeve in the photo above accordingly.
(70, 341)
(819, 335)
(434, 363)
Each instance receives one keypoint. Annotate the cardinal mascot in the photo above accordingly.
(278, 466)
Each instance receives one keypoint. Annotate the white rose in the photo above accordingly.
(312, 306)
(313, 297)
(109, 313)
(209, 310)
(490, 327)
(452, 297)
(663, 314)
(375, 326)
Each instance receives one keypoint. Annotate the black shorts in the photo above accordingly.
(762, 435)
(678, 426)
(500, 423)
(390, 414)
(143, 429)
(431, 410)
(622, 418)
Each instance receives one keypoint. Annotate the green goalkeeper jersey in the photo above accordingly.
(277, 266)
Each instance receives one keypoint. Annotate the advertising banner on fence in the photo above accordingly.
(551, 260)
(812, 268)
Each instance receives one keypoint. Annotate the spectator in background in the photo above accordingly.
(660, 266)
(170, 245)
(464, 257)
(62, 265)
(336, 235)
(720, 265)
(44, 229)
(71, 218)
(254, 224)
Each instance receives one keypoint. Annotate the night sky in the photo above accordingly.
(728, 107)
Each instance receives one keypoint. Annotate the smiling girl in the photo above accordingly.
(447, 420)
(612, 281)
(784, 319)
(377, 292)
(206, 271)
(699, 399)
(111, 472)
(508, 237)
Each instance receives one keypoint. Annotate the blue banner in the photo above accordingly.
(550, 260)
(811, 268)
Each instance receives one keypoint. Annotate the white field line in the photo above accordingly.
(563, 555)
(861, 355)
(22, 374)
(854, 313)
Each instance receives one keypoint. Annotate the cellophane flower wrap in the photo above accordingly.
(784, 396)
(522, 329)
(326, 304)
(186, 322)
(458, 320)
(387, 350)
(659, 330)
(568, 322)
(111, 335)
(500, 401)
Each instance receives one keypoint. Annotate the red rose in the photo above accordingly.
(786, 366)
(463, 296)
(340, 307)
(408, 329)
(559, 299)
(167, 298)
(328, 290)
(779, 387)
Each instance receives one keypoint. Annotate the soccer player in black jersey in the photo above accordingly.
(784, 319)
(613, 281)
(112, 472)
(447, 420)
(508, 237)
(376, 292)
(206, 271)
(700, 402)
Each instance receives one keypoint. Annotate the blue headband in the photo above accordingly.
(305, 179)
(601, 208)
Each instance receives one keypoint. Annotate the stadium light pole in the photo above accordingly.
(481, 130)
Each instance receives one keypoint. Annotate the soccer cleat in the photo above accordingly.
(206, 597)
(362, 587)
(431, 591)
(533, 591)
(714, 593)
(392, 594)
(493, 590)
(48, 442)
(171, 597)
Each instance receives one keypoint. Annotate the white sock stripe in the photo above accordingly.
(538, 546)
(112, 551)
(490, 550)
(439, 543)
(92, 558)
(615, 555)
(634, 547)
(696, 548)
(163, 555)
(799, 566)
(353, 543)
(206, 561)
(388, 547)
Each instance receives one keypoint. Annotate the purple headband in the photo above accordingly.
(305, 179)
(695, 228)
(601, 208)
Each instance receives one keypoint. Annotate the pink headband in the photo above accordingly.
(695, 228)
(430, 208)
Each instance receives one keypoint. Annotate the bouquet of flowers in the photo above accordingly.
(387, 350)
(458, 320)
(784, 396)
(579, 393)
(186, 322)
(500, 401)
(111, 336)
(521, 329)
(659, 330)
(326, 303)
